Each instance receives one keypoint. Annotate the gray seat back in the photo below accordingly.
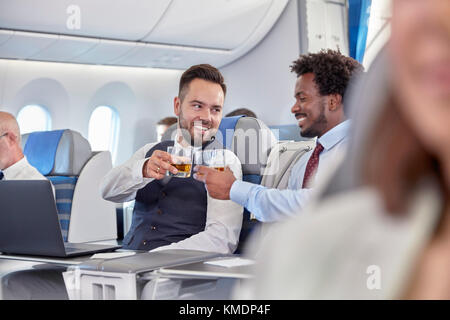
(72, 153)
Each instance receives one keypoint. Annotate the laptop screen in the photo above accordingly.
(29, 220)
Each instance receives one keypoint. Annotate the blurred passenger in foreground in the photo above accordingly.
(13, 163)
(381, 228)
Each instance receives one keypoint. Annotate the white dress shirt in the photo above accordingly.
(223, 217)
(22, 170)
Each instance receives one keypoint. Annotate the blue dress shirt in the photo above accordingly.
(274, 204)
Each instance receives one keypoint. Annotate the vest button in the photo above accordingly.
(163, 194)
(153, 228)
(159, 211)
(144, 243)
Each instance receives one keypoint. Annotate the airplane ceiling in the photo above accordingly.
(157, 33)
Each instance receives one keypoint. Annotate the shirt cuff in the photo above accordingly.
(240, 191)
(137, 172)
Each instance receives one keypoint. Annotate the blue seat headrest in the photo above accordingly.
(57, 153)
(227, 124)
(40, 149)
(252, 141)
(249, 138)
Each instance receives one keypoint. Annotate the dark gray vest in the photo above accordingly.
(168, 210)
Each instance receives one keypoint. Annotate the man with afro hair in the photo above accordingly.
(322, 80)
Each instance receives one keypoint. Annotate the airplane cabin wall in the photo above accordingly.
(71, 92)
(261, 80)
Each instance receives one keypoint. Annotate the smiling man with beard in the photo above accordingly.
(322, 79)
(173, 212)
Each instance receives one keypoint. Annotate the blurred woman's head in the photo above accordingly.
(411, 137)
(420, 51)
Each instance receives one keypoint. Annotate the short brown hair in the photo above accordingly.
(201, 71)
(243, 112)
(168, 121)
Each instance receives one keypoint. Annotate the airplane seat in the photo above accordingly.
(282, 159)
(66, 159)
(251, 140)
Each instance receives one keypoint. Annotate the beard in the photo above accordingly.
(188, 132)
(318, 127)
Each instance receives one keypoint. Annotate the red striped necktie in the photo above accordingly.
(312, 165)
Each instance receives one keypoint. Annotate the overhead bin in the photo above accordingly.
(105, 52)
(120, 19)
(22, 45)
(5, 35)
(157, 33)
(218, 24)
(166, 56)
(65, 48)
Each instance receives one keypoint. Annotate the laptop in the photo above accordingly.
(29, 222)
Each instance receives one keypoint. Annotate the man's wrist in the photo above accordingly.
(139, 171)
(231, 186)
(239, 192)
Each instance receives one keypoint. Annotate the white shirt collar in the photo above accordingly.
(16, 168)
(179, 145)
(335, 135)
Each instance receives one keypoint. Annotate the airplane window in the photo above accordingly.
(34, 118)
(104, 129)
